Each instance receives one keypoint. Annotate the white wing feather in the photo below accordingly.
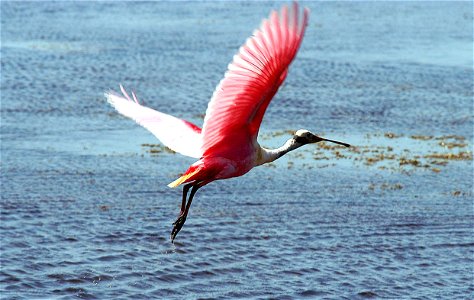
(178, 135)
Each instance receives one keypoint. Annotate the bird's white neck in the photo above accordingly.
(269, 155)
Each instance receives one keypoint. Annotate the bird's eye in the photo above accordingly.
(301, 139)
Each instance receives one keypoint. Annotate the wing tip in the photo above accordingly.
(109, 95)
(113, 96)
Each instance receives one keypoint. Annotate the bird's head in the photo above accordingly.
(303, 137)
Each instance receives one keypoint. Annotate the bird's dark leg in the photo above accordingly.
(185, 195)
(178, 224)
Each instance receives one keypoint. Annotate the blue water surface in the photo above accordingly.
(85, 210)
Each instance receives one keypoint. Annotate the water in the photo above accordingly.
(85, 211)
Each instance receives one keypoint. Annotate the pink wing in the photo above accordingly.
(239, 102)
(179, 135)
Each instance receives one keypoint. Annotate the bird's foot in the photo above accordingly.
(177, 225)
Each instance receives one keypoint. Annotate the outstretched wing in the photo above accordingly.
(179, 135)
(259, 68)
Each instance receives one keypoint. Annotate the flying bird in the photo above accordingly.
(227, 145)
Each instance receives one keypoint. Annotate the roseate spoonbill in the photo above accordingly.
(227, 143)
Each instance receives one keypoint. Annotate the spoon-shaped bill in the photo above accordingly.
(336, 142)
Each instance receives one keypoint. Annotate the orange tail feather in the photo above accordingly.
(188, 176)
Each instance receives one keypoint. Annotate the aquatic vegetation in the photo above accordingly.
(155, 149)
(422, 137)
(453, 137)
(452, 145)
(386, 186)
(391, 135)
(409, 153)
(451, 156)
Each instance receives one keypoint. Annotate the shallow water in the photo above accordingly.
(85, 211)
